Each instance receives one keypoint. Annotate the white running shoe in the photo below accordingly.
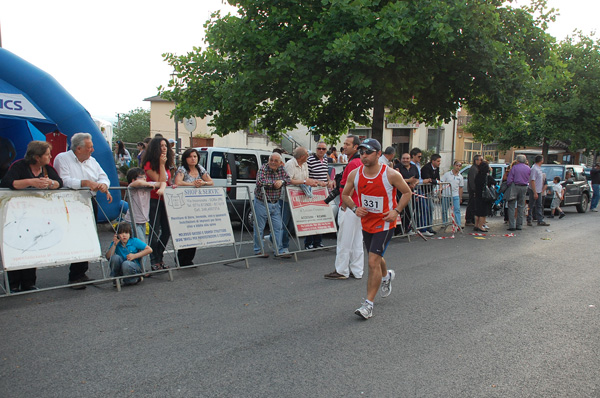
(365, 311)
(386, 286)
(426, 233)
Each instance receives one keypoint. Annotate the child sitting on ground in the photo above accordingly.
(557, 198)
(125, 253)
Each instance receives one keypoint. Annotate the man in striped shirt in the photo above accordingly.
(318, 169)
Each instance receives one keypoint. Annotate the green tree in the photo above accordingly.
(561, 104)
(132, 126)
(333, 63)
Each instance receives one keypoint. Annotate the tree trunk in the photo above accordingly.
(545, 149)
(378, 116)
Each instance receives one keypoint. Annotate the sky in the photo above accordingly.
(108, 55)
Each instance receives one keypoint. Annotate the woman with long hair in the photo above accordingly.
(157, 160)
(122, 156)
(34, 171)
(190, 173)
(483, 206)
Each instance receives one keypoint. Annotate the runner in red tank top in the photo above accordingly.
(376, 187)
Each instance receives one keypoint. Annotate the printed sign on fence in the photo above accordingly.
(311, 215)
(43, 228)
(198, 217)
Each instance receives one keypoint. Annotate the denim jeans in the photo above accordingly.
(261, 220)
(286, 225)
(536, 206)
(120, 267)
(447, 203)
(596, 196)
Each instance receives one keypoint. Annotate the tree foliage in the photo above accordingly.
(562, 103)
(333, 63)
(133, 126)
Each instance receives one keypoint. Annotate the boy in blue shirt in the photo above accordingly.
(125, 253)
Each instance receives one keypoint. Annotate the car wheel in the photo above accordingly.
(248, 220)
(583, 206)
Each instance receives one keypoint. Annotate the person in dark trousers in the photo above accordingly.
(595, 177)
(470, 214)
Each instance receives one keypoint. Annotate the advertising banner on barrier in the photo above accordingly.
(311, 215)
(198, 217)
(44, 228)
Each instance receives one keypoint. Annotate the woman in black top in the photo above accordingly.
(483, 207)
(34, 171)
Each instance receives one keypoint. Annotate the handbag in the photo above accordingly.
(489, 194)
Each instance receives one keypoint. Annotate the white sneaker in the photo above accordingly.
(426, 233)
(386, 286)
(365, 311)
(594, 210)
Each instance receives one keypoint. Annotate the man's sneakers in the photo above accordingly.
(365, 311)
(426, 233)
(594, 210)
(386, 285)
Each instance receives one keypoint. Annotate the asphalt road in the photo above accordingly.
(468, 317)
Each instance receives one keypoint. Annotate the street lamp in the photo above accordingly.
(174, 78)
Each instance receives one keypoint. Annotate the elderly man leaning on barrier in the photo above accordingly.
(318, 169)
(297, 169)
(78, 169)
(272, 177)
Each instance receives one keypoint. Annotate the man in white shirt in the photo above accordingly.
(387, 156)
(452, 194)
(78, 169)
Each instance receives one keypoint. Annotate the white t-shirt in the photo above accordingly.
(455, 181)
(557, 188)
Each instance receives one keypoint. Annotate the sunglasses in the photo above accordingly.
(362, 151)
(321, 149)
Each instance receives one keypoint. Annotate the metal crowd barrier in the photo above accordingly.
(431, 206)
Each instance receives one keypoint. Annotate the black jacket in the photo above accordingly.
(427, 171)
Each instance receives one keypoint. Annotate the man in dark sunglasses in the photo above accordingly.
(375, 186)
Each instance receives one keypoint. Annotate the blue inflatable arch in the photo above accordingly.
(54, 103)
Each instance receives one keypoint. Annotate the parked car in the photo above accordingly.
(238, 166)
(577, 189)
(497, 171)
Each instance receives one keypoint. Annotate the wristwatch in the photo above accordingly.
(354, 209)
(397, 211)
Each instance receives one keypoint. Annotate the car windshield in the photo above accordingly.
(553, 171)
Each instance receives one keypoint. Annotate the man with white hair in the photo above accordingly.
(78, 169)
(518, 176)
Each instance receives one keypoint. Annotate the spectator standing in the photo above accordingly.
(33, 171)
(349, 259)
(387, 156)
(122, 156)
(536, 186)
(595, 177)
(483, 207)
(334, 154)
(430, 174)
(318, 170)
(410, 173)
(517, 182)
(470, 213)
(139, 199)
(78, 169)
(297, 169)
(141, 147)
(158, 160)
(342, 157)
(452, 195)
(190, 174)
(272, 177)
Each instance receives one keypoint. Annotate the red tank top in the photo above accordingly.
(377, 196)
